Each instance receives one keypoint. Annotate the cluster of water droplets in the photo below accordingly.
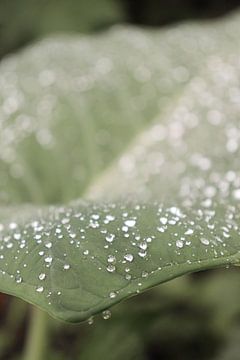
(66, 253)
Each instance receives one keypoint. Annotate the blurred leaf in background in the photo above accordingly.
(25, 20)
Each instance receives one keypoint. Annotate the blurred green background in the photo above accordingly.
(23, 21)
(193, 317)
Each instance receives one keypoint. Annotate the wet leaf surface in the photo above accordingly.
(149, 144)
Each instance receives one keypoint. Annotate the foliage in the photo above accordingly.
(148, 143)
(34, 19)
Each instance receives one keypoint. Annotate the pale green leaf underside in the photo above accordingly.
(143, 127)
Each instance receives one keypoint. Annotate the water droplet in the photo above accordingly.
(128, 257)
(112, 294)
(143, 245)
(130, 223)
(179, 244)
(204, 241)
(90, 320)
(106, 314)
(111, 259)
(18, 279)
(110, 217)
(163, 220)
(42, 276)
(12, 226)
(65, 221)
(110, 237)
(48, 259)
(189, 232)
(17, 236)
(111, 268)
(144, 274)
(40, 289)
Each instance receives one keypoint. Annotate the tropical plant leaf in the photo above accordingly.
(148, 141)
(34, 19)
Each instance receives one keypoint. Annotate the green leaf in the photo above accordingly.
(34, 19)
(145, 132)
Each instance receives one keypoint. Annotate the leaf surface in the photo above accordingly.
(149, 143)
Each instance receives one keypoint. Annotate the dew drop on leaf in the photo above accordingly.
(18, 279)
(42, 276)
(39, 289)
(111, 268)
(204, 241)
(128, 257)
(179, 244)
(110, 238)
(130, 223)
(106, 314)
(112, 294)
(90, 320)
